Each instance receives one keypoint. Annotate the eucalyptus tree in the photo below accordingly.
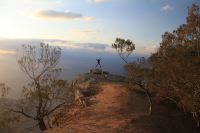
(124, 48)
(175, 66)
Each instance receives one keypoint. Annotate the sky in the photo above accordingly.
(92, 21)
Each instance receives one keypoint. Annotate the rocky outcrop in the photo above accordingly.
(83, 88)
(83, 84)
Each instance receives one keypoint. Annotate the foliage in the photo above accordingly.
(175, 66)
(124, 48)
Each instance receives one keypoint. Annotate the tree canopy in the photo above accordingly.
(175, 65)
(124, 48)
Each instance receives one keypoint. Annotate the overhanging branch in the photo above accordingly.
(23, 113)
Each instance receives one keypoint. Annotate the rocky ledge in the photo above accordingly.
(83, 84)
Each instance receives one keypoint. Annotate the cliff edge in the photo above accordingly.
(104, 104)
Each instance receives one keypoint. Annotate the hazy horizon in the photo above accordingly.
(76, 58)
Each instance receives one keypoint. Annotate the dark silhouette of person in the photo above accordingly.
(98, 63)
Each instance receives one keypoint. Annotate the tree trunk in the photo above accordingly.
(195, 116)
(124, 60)
(150, 101)
(148, 96)
(42, 125)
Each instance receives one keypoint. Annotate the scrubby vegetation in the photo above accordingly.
(173, 72)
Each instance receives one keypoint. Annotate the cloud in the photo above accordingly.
(77, 31)
(96, 1)
(52, 14)
(167, 8)
(88, 31)
(6, 52)
(95, 47)
(58, 2)
(83, 35)
(88, 18)
(99, 1)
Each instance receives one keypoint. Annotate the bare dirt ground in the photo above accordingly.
(116, 110)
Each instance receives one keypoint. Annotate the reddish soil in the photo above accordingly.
(116, 110)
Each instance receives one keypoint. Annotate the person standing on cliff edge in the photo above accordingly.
(98, 63)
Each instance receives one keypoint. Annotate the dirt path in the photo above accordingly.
(114, 110)
(103, 115)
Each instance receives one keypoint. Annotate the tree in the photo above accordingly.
(124, 48)
(45, 93)
(136, 74)
(175, 66)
